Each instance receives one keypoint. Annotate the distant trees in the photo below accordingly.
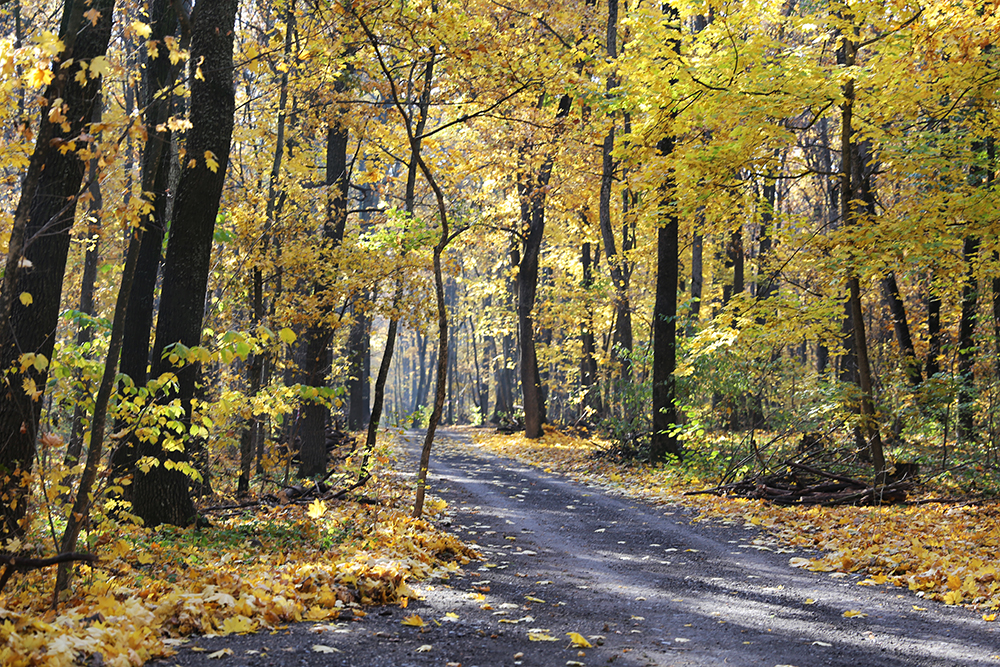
(631, 183)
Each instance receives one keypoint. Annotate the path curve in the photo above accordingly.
(642, 582)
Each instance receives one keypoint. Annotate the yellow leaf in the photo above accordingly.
(321, 648)
(26, 299)
(287, 336)
(237, 625)
(317, 509)
(220, 654)
(854, 614)
(989, 617)
(916, 608)
(529, 598)
(50, 43)
(99, 66)
(541, 636)
(211, 162)
(952, 597)
(414, 620)
(141, 29)
(579, 640)
(809, 601)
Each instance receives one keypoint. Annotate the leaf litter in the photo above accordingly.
(261, 569)
(940, 551)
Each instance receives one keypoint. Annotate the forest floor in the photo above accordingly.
(644, 582)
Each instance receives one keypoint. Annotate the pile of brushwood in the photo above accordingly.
(819, 474)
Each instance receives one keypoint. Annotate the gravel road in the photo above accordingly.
(642, 583)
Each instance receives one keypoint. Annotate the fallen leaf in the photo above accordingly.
(579, 640)
(853, 613)
(414, 620)
(540, 635)
(426, 648)
(220, 654)
(809, 601)
(530, 598)
(321, 648)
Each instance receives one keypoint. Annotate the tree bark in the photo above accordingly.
(852, 191)
(161, 483)
(532, 189)
(315, 415)
(158, 100)
(901, 328)
(87, 284)
(966, 343)
(664, 442)
(37, 252)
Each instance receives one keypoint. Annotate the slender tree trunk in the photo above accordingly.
(161, 492)
(37, 252)
(967, 344)
(911, 367)
(851, 191)
(588, 365)
(315, 415)
(932, 364)
(157, 99)
(532, 191)
(87, 285)
(663, 442)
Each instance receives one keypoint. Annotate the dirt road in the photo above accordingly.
(642, 583)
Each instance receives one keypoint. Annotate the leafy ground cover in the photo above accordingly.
(253, 569)
(942, 551)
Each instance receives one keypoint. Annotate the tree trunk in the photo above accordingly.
(86, 306)
(852, 191)
(158, 77)
(966, 344)
(911, 367)
(37, 253)
(161, 492)
(315, 415)
(663, 442)
(532, 191)
(588, 364)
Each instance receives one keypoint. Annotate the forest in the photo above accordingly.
(244, 238)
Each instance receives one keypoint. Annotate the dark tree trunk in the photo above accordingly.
(315, 415)
(532, 191)
(37, 253)
(663, 441)
(697, 274)
(966, 343)
(588, 365)
(855, 187)
(996, 319)
(932, 365)
(161, 491)
(359, 352)
(911, 367)
(158, 76)
(86, 306)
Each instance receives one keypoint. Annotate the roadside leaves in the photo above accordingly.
(414, 620)
(578, 640)
(541, 635)
(939, 551)
(259, 570)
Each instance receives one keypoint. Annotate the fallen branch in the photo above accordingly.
(13, 563)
